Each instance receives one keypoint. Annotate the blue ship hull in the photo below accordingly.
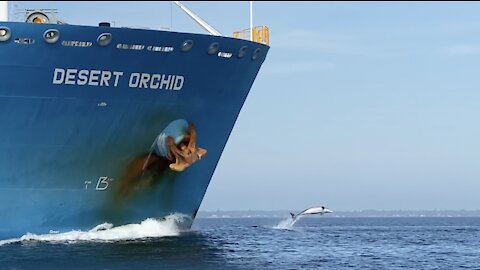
(74, 131)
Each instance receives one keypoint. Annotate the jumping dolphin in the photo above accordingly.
(312, 211)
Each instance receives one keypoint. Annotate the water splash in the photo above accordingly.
(106, 232)
(287, 224)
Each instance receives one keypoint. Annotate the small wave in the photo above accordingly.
(106, 232)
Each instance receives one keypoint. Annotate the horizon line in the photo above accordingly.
(364, 210)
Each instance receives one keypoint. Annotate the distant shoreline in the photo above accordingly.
(362, 213)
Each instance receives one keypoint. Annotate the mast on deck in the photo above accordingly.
(3, 11)
(251, 20)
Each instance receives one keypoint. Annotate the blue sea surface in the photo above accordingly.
(266, 243)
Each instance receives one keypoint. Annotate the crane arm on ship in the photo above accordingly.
(197, 19)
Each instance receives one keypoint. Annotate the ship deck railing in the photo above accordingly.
(260, 34)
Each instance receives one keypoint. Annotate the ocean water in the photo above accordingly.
(256, 243)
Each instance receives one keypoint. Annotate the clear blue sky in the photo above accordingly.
(358, 105)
